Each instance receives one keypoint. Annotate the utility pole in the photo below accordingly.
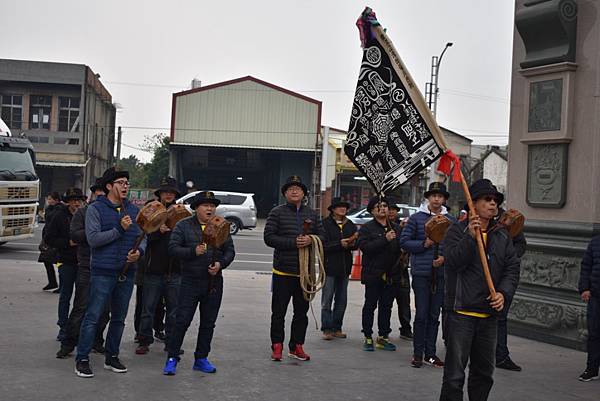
(431, 88)
(119, 133)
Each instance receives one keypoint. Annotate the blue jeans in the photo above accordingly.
(427, 315)
(335, 288)
(103, 289)
(67, 274)
(195, 294)
(593, 342)
(470, 340)
(154, 287)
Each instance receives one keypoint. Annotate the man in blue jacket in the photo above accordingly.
(589, 288)
(201, 282)
(427, 267)
(111, 232)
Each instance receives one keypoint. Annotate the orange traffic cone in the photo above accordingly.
(356, 266)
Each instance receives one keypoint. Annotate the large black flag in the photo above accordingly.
(390, 136)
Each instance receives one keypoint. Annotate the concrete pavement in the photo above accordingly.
(339, 370)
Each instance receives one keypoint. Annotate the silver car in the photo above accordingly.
(237, 207)
(361, 216)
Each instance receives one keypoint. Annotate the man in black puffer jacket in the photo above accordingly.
(284, 232)
(589, 288)
(57, 236)
(162, 274)
(381, 268)
(82, 285)
(338, 248)
(472, 311)
(201, 281)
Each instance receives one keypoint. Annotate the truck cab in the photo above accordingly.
(19, 187)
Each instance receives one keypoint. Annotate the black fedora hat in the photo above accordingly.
(337, 201)
(204, 197)
(294, 180)
(374, 201)
(437, 188)
(97, 185)
(484, 187)
(111, 174)
(73, 193)
(167, 184)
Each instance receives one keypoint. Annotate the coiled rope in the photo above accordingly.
(312, 279)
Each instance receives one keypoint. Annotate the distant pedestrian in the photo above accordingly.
(340, 241)
(589, 288)
(48, 254)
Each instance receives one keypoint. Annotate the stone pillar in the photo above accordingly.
(554, 162)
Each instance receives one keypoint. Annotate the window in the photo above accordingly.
(236, 199)
(12, 110)
(39, 111)
(68, 115)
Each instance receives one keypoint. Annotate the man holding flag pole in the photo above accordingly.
(392, 137)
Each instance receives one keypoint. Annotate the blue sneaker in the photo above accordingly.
(170, 367)
(203, 365)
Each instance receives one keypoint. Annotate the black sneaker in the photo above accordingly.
(82, 368)
(508, 364)
(64, 352)
(113, 363)
(50, 287)
(588, 375)
(435, 361)
(417, 361)
(406, 335)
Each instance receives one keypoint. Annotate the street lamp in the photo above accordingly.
(431, 89)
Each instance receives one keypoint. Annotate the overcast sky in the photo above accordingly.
(146, 50)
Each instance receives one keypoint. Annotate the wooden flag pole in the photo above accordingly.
(425, 112)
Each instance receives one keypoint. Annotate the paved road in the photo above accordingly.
(339, 370)
(251, 252)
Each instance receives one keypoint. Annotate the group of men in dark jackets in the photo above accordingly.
(95, 241)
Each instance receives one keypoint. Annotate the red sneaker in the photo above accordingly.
(142, 350)
(299, 353)
(277, 351)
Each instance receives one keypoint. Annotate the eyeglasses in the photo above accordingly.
(490, 198)
(122, 183)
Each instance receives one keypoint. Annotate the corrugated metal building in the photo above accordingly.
(244, 135)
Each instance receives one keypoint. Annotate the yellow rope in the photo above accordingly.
(312, 279)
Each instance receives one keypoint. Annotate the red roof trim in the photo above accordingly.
(248, 78)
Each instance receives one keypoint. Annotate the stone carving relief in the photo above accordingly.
(547, 169)
(550, 271)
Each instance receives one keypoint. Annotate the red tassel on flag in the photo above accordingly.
(447, 161)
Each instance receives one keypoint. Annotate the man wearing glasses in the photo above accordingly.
(111, 232)
(381, 268)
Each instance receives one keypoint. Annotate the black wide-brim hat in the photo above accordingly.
(374, 201)
(111, 175)
(204, 197)
(168, 184)
(484, 187)
(294, 180)
(73, 193)
(437, 188)
(335, 202)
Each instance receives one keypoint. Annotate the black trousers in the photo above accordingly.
(195, 294)
(402, 297)
(159, 313)
(284, 289)
(82, 295)
(593, 342)
(470, 340)
(51, 273)
(378, 295)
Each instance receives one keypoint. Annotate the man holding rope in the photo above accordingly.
(472, 311)
(284, 231)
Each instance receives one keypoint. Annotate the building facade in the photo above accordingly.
(245, 135)
(67, 114)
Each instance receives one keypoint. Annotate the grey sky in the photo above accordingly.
(146, 50)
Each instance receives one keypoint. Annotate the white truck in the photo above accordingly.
(19, 187)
